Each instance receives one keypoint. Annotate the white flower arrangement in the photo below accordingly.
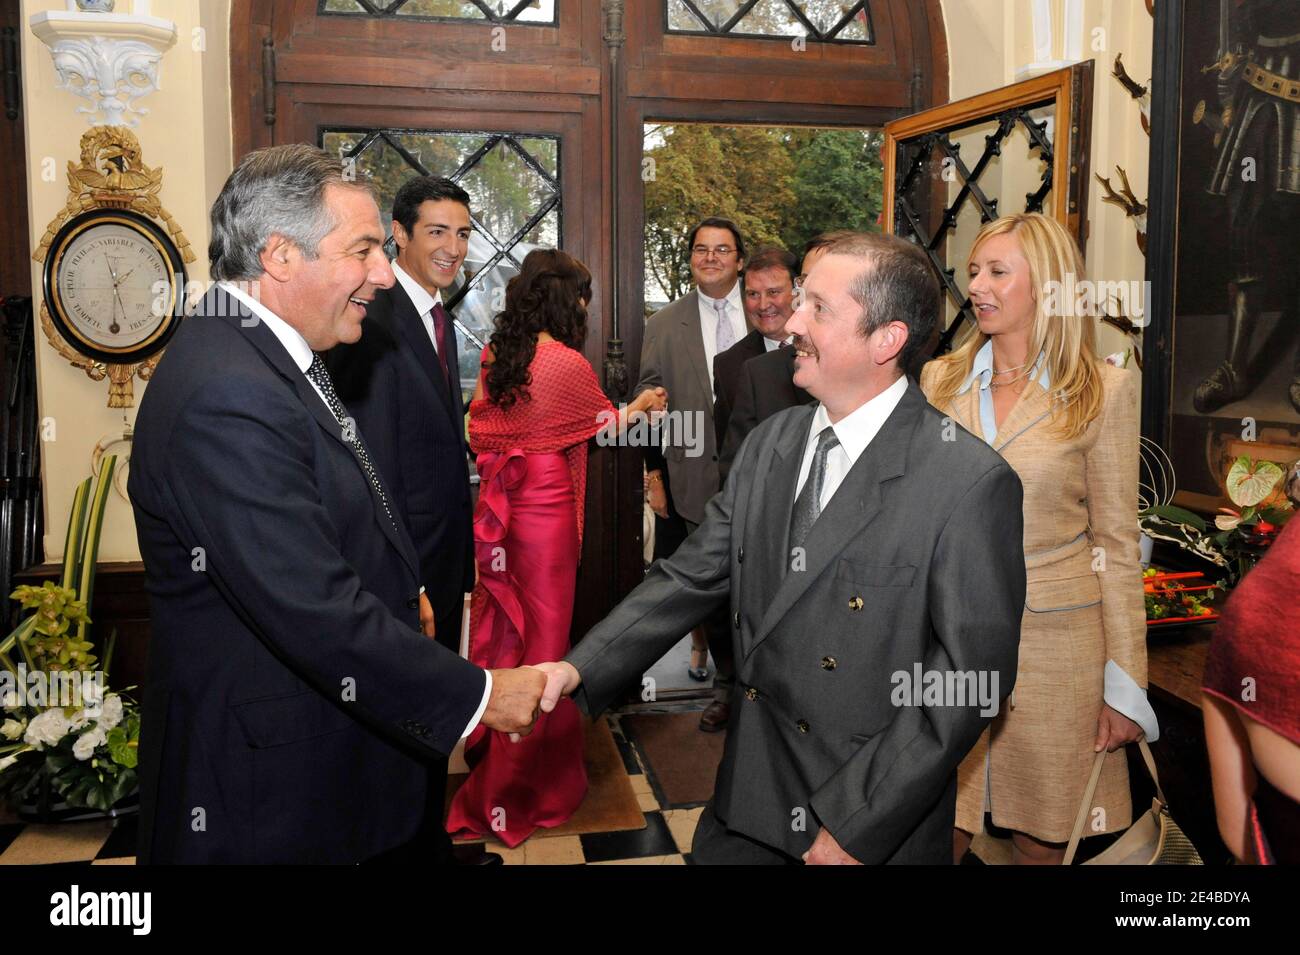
(65, 738)
(47, 729)
(87, 743)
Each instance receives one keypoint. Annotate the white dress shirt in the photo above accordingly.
(772, 344)
(422, 301)
(855, 431)
(301, 354)
(709, 323)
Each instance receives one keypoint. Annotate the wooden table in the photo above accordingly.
(1176, 662)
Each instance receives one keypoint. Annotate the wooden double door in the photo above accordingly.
(538, 108)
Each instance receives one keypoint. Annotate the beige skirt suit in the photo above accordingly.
(1083, 608)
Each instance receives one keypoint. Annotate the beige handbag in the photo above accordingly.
(1154, 839)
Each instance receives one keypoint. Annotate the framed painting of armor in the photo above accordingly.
(1222, 353)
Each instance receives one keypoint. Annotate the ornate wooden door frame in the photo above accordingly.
(606, 69)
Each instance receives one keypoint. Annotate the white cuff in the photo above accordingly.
(422, 591)
(1124, 696)
(478, 714)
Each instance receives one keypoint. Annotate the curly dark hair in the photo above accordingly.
(546, 296)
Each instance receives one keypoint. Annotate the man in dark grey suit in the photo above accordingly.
(872, 554)
(681, 341)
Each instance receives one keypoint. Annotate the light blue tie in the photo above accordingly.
(726, 334)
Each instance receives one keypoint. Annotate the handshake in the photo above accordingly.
(518, 695)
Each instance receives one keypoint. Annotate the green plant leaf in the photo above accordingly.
(119, 746)
(108, 653)
(1276, 515)
(58, 759)
(72, 543)
(95, 525)
(123, 785)
(19, 637)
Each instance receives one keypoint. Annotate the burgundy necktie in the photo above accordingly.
(440, 332)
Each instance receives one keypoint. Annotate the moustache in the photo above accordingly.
(801, 343)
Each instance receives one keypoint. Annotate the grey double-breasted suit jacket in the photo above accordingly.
(915, 562)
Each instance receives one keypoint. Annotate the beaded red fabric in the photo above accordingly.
(564, 409)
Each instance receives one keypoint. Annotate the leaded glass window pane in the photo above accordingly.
(824, 21)
(514, 186)
(537, 12)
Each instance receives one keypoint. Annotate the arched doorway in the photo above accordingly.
(546, 100)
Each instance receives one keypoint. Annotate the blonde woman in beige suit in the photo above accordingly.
(1028, 381)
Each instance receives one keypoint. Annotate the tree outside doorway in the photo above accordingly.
(782, 185)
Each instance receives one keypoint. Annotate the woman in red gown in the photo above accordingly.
(536, 406)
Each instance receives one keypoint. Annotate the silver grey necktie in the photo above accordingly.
(808, 506)
(319, 375)
(726, 334)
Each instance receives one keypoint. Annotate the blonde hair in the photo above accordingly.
(1065, 339)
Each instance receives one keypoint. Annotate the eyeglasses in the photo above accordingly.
(721, 251)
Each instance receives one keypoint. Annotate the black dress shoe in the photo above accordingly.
(475, 854)
(714, 719)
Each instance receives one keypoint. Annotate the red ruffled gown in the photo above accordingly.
(532, 465)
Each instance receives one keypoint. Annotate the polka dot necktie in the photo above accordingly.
(319, 376)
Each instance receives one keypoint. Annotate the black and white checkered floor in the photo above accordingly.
(665, 840)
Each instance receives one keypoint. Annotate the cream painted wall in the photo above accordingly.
(188, 133)
(989, 40)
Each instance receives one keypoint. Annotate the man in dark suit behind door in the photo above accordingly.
(767, 289)
(400, 381)
(764, 385)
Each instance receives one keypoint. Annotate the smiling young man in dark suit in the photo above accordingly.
(857, 542)
(401, 382)
(292, 711)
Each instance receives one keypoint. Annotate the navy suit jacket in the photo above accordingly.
(413, 422)
(726, 378)
(292, 709)
(764, 386)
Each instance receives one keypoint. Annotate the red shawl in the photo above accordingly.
(565, 409)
